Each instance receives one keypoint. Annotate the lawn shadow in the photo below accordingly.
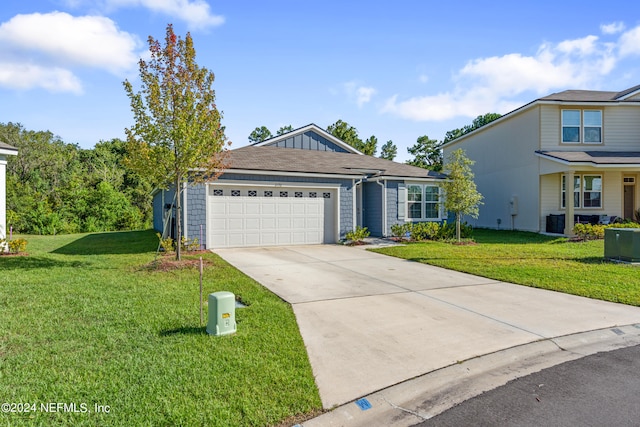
(35, 263)
(185, 330)
(111, 243)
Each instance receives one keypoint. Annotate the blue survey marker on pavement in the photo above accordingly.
(363, 404)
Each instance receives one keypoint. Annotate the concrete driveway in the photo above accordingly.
(370, 321)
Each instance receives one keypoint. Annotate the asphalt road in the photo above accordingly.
(598, 390)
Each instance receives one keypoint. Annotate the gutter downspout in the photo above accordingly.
(384, 206)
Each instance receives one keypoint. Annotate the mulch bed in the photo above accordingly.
(168, 262)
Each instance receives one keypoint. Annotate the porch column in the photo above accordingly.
(568, 202)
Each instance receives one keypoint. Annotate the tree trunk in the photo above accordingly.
(178, 218)
(458, 226)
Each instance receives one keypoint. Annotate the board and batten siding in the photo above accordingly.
(505, 167)
(309, 141)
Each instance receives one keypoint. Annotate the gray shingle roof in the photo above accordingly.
(589, 95)
(595, 157)
(323, 162)
(7, 146)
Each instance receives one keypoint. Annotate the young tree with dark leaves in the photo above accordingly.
(177, 136)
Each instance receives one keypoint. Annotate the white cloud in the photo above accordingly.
(28, 76)
(613, 28)
(494, 84)
(364, 95)
(630, 42)
(196, 13)
(49, 45)
(358, 93)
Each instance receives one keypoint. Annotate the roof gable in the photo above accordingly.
(310, 137)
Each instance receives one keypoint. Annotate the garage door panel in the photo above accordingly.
(252, 207)
(245, 216)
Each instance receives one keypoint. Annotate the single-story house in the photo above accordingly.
(5, 150)
(569, 156)
(302, 187)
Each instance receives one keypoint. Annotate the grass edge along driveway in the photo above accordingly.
(84, 323)
(533, 259)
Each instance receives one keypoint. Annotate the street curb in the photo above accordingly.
(428, 395)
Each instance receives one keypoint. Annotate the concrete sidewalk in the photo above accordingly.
(370, 321)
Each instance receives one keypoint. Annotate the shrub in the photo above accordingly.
(358, 234)
(425, 231)
(596, 231)
(17, 246)
(400, 230)
(448, 231)
(190, 245)
(166, 244)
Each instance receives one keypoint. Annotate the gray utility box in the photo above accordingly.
(622, 244)
(222, 313)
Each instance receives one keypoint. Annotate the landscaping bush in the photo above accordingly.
(400, 230)
(14, 246)
(358, 234)
(596, 231)
(425, 231)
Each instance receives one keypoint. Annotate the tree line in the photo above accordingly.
(426, 152)
(54, 187)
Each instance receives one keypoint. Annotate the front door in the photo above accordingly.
(629, 201)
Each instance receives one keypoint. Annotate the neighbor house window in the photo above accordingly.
(587, 191)
(423, 202)
(592, 126)
(582, 126)
(592, 191)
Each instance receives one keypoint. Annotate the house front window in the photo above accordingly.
(423, 202)
(582, 126)
(587, 191)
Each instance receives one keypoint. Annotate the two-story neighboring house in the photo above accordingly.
(577, 141)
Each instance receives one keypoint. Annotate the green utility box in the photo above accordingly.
(622, 244)
(222, 313)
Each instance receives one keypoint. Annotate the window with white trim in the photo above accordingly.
(587, 191)
(582, 126)
(423, 202)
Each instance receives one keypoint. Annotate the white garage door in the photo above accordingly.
(270, 216)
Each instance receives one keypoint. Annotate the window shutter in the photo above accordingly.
(402, 199)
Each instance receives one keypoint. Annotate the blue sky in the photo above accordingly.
(396, 70)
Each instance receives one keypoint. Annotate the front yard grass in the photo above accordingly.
(534, 260)
(82, 321)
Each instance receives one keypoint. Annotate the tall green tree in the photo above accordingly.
(427, 154)
(284, 129)
(460, 193)
(477, 123)
(370, 146)
(259, 134)
(177, 136)
(347, 133)
(389, 151)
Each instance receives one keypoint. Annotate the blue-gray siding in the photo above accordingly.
(309, 141)
(392, 206)
(197, 213)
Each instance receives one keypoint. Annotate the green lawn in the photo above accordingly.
(533, 260)
(83, 322)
